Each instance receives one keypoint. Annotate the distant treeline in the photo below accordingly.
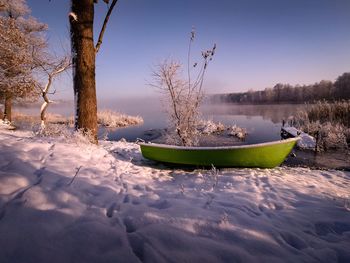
(286, 93)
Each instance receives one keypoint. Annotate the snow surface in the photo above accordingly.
(64, 201)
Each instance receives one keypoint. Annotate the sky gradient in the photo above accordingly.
(259, 42)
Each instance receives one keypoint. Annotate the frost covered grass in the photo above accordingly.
(207, 127)
(113, 119)
(329, 122)
(106, 118)
(336, 112)
(66, 201)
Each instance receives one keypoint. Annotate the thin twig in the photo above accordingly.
(76, 173)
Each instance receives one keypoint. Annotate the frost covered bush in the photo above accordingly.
(328, 122)
(63, 131)
(59, 119)
(52, 130)
(336, 112)
(333, 136)
(238, 132)
(183, 95)
(210, 127)
(106, 118)
(30, 122)
(113, 119)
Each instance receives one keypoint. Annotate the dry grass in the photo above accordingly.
(58, 125)
(337, 112)
(113, 119)
(329, 122)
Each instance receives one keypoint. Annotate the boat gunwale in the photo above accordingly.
(176, 147)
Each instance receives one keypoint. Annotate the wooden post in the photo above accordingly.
(317, 141)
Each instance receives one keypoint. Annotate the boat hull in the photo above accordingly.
(263, 155)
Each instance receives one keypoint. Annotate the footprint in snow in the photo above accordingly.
(325, 228)
(136, 202)
(126, 199)
(125, 186)
(138, 187)
(148, 189)
(161, 204)
(129, 224)
(40, 172)
(293, 240)
(278, 206)
(110, 210)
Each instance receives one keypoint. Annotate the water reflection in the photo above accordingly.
(275, 113)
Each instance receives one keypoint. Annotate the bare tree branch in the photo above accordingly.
(100, 37)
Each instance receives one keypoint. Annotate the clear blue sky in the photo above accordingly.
(259, 42)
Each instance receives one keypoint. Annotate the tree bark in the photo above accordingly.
(83, 55)
(43, 110)
(8, 108)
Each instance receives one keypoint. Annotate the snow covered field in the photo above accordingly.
(65, 201)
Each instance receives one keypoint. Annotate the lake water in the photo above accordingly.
(263, 122)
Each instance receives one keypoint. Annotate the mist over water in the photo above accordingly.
(263, 122)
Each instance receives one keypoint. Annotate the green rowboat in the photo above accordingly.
(263, 155)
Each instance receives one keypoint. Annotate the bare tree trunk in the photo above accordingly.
(43, 110)
(1, 114)
(83, 54)
(8, 108)
(60, 67)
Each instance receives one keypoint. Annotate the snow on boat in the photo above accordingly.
(306, 141)
(262, 155)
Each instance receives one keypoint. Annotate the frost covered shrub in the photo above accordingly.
(65, 132)
(113, 119)
(52, 130)
(24, 121)
(59, 119)
(183, 95)
(30, 122)
(210, 127)
(238, 132)
(337, 112)
(332, 136)
(329, 122)
(106, 118)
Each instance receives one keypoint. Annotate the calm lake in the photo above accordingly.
(263, 122)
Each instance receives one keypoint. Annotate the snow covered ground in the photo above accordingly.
(65, 201)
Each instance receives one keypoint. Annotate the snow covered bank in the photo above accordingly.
(106, 118)
(73, 202)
